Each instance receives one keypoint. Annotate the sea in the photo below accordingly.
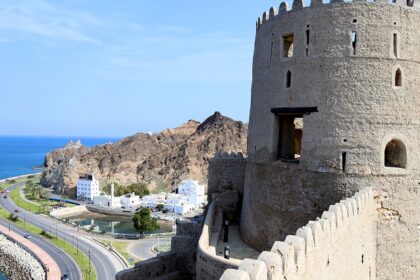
(20, 155)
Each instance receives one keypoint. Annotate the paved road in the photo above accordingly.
(65, 263)
(106, 264)
(142, 248)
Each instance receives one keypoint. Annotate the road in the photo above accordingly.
(106, 264)
(66, 264)
(142, 248)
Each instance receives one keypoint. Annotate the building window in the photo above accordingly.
(398, 78)
(307, 43)
(395, 44)
(290, 131)
(288, 79)
(288, 45)
(354, 41)
(271, 46)
(395, 154)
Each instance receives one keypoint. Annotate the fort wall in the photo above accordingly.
(339, 245)
(209, 265)
(226, 172)
(351, 77)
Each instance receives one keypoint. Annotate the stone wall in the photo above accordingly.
(69, 211)
(346, 56)
(17, 263)
(339, 245)
(209, 265)
(226, 172)
(176, 265)
(150, 269)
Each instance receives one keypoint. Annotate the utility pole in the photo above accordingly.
(90, 268)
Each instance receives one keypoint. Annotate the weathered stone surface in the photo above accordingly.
(367, 96)
(232, 274)
(162, 158)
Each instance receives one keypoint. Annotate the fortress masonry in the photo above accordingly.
(334, 109)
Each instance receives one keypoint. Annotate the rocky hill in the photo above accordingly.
(160, 160)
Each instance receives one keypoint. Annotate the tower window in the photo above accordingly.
(288, 79)
(395, 44)
(288, 45)
(271, 50)
(307, 42)
(290, 137)
(398, 78)
(290, 131)
(354, 41)
(395, 154)
(271, 46)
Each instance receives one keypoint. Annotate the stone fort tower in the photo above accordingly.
(333, 160)
(335, 108)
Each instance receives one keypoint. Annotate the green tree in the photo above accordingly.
(143, 221)
(45, 194)
(160, 207)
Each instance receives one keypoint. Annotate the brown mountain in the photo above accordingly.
(160, 160)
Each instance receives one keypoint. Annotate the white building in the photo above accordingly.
(178, 204)
(126, 201)
(193, 193)
(130, 200)
(153, 200)
(87, 187)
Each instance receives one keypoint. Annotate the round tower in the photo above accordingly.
(335, 108)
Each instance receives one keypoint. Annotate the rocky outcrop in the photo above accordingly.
(160, 160)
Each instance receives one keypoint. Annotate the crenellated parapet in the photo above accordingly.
(341, 242)
(229, 155)
(298, 5)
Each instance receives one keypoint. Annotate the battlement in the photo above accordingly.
(231, 155)
(298, 5)
(341, 242)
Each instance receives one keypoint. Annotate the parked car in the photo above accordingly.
(27, 236)
(65, 277)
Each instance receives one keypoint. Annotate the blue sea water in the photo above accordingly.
(18, 155)
(3, 276)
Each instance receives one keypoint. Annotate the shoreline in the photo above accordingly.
(19, 177)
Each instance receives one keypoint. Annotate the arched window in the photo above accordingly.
(288, 79)
(398, 78)
(395, 154)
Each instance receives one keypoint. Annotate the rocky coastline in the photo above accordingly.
(160, 160)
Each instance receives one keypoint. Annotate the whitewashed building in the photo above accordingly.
(87, 187)
(178, 204)
(108, 200)
(130, 200)
(193, 193)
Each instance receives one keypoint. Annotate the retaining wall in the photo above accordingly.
(339, 245)
(17, 263)
(209, 265)
(69, 211)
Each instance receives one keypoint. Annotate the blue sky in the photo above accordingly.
(113, 68)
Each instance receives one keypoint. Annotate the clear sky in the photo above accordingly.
(113, 68)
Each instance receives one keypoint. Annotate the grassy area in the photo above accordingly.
(121, 247)
(81, 259)
(15, 196)
(38, 205)
(28, 206)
